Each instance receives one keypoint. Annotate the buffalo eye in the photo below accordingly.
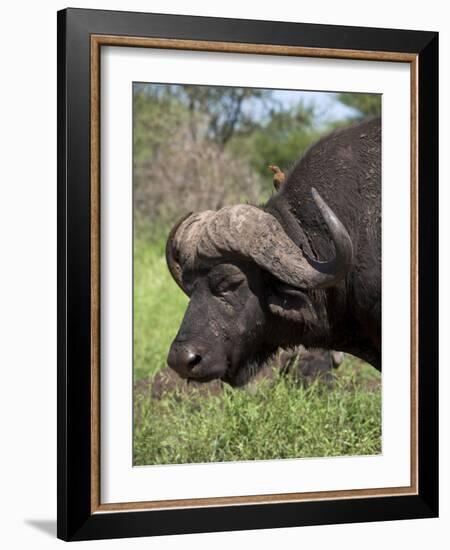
(221, 284)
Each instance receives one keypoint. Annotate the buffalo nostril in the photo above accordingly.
(183, 358)
(193, 359)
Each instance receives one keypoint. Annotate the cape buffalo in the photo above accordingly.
(305, 268)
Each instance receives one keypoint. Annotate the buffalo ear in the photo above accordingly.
(291, 304)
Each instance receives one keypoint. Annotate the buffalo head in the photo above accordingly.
(245, 277)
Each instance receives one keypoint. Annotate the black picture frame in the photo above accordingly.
(76, 521)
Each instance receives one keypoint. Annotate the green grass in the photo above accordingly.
(159, 306)
(269, 420)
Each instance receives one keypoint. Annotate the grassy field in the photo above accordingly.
(270, 419)
(159, 306)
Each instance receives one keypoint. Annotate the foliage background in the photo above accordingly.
(197, 148)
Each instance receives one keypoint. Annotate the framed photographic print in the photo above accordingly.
(247, 255)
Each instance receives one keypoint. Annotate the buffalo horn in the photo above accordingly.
(172, 253)
(247, 232)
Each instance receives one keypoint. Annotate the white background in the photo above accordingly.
(28, 274)
(119, 481)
